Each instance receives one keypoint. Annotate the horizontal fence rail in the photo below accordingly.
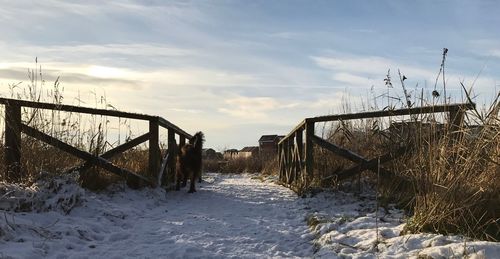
(14, 127)
(295, 150)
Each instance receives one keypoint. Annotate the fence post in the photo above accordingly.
(154, 148)
(13, 142)
(172, 151)
(309, 159)
(300, 147)
(280, 164)
(288, 148)
(182, 141)
(456, 122)
(293, 160)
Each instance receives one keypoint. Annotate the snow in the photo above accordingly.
(231, 216)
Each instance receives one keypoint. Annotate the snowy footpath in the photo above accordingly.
(231, 216)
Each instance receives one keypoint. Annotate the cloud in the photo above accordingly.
(371, 66)
(50, 75)
(253, 107)
(352, 79)
(365, 65)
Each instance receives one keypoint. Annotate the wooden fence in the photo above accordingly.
(157, 164)
(295, 154)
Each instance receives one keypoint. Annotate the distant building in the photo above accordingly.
(209, 153)
(248, 152)
(268, 144)
(231, 154)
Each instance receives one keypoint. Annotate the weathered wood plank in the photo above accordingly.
(182, 141)
(280, 161)
(363, 163)
(309, 150)
(171, 163)
(154, 148)
(373, 165)
(300, 154)
(163, 168)
(345, 153)
(456, 123)
(399, 112)
(301, 125)
(99, 161)
(13, 142)
(71, 108)
(168, 125)
(112, 152)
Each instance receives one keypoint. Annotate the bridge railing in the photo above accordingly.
(295, 150)
(156, 164)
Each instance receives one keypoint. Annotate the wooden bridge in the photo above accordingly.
(157, 164)
(295, 154)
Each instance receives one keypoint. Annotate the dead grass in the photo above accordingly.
(87, 132)
(449, 179)
(242, 165)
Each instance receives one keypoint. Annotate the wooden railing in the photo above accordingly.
(157, 164)
(295, 154)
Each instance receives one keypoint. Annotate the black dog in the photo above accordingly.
(189, 162)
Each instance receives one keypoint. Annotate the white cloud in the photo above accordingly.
(253, 107)
(371, 71)
(368, 65)
(352, 79)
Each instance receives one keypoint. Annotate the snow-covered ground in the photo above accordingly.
(238, 216)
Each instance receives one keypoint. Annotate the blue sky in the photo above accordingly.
(241, 69)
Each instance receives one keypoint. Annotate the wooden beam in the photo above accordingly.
(99, 161)
(182, 141)
(154, 148)
(13, 142)
(280, 163)
(171, 163)
(293, 160)
(309, 151)
(112, 152)
(162, 168)
(300, 155)
(71, 108)
(345, 153)
(386, 113)
(456, 123)
(301, 125)
(363, 163)
(168, 125)
(373, 165)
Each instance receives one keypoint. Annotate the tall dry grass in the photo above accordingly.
(456, 180)
(449, 179)
(93, 133)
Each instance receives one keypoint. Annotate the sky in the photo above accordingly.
(237, 70)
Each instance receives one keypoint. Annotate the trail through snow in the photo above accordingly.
(231, 216)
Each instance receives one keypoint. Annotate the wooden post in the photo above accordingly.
(300, 147)
(172, 151)
(293, 160)
(280, 164)
(182, 141)
(289, 160)
(13, 142)
(154, 149)
(456, 122)
(309, 159)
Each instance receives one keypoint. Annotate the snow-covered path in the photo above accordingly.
(230, 216)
